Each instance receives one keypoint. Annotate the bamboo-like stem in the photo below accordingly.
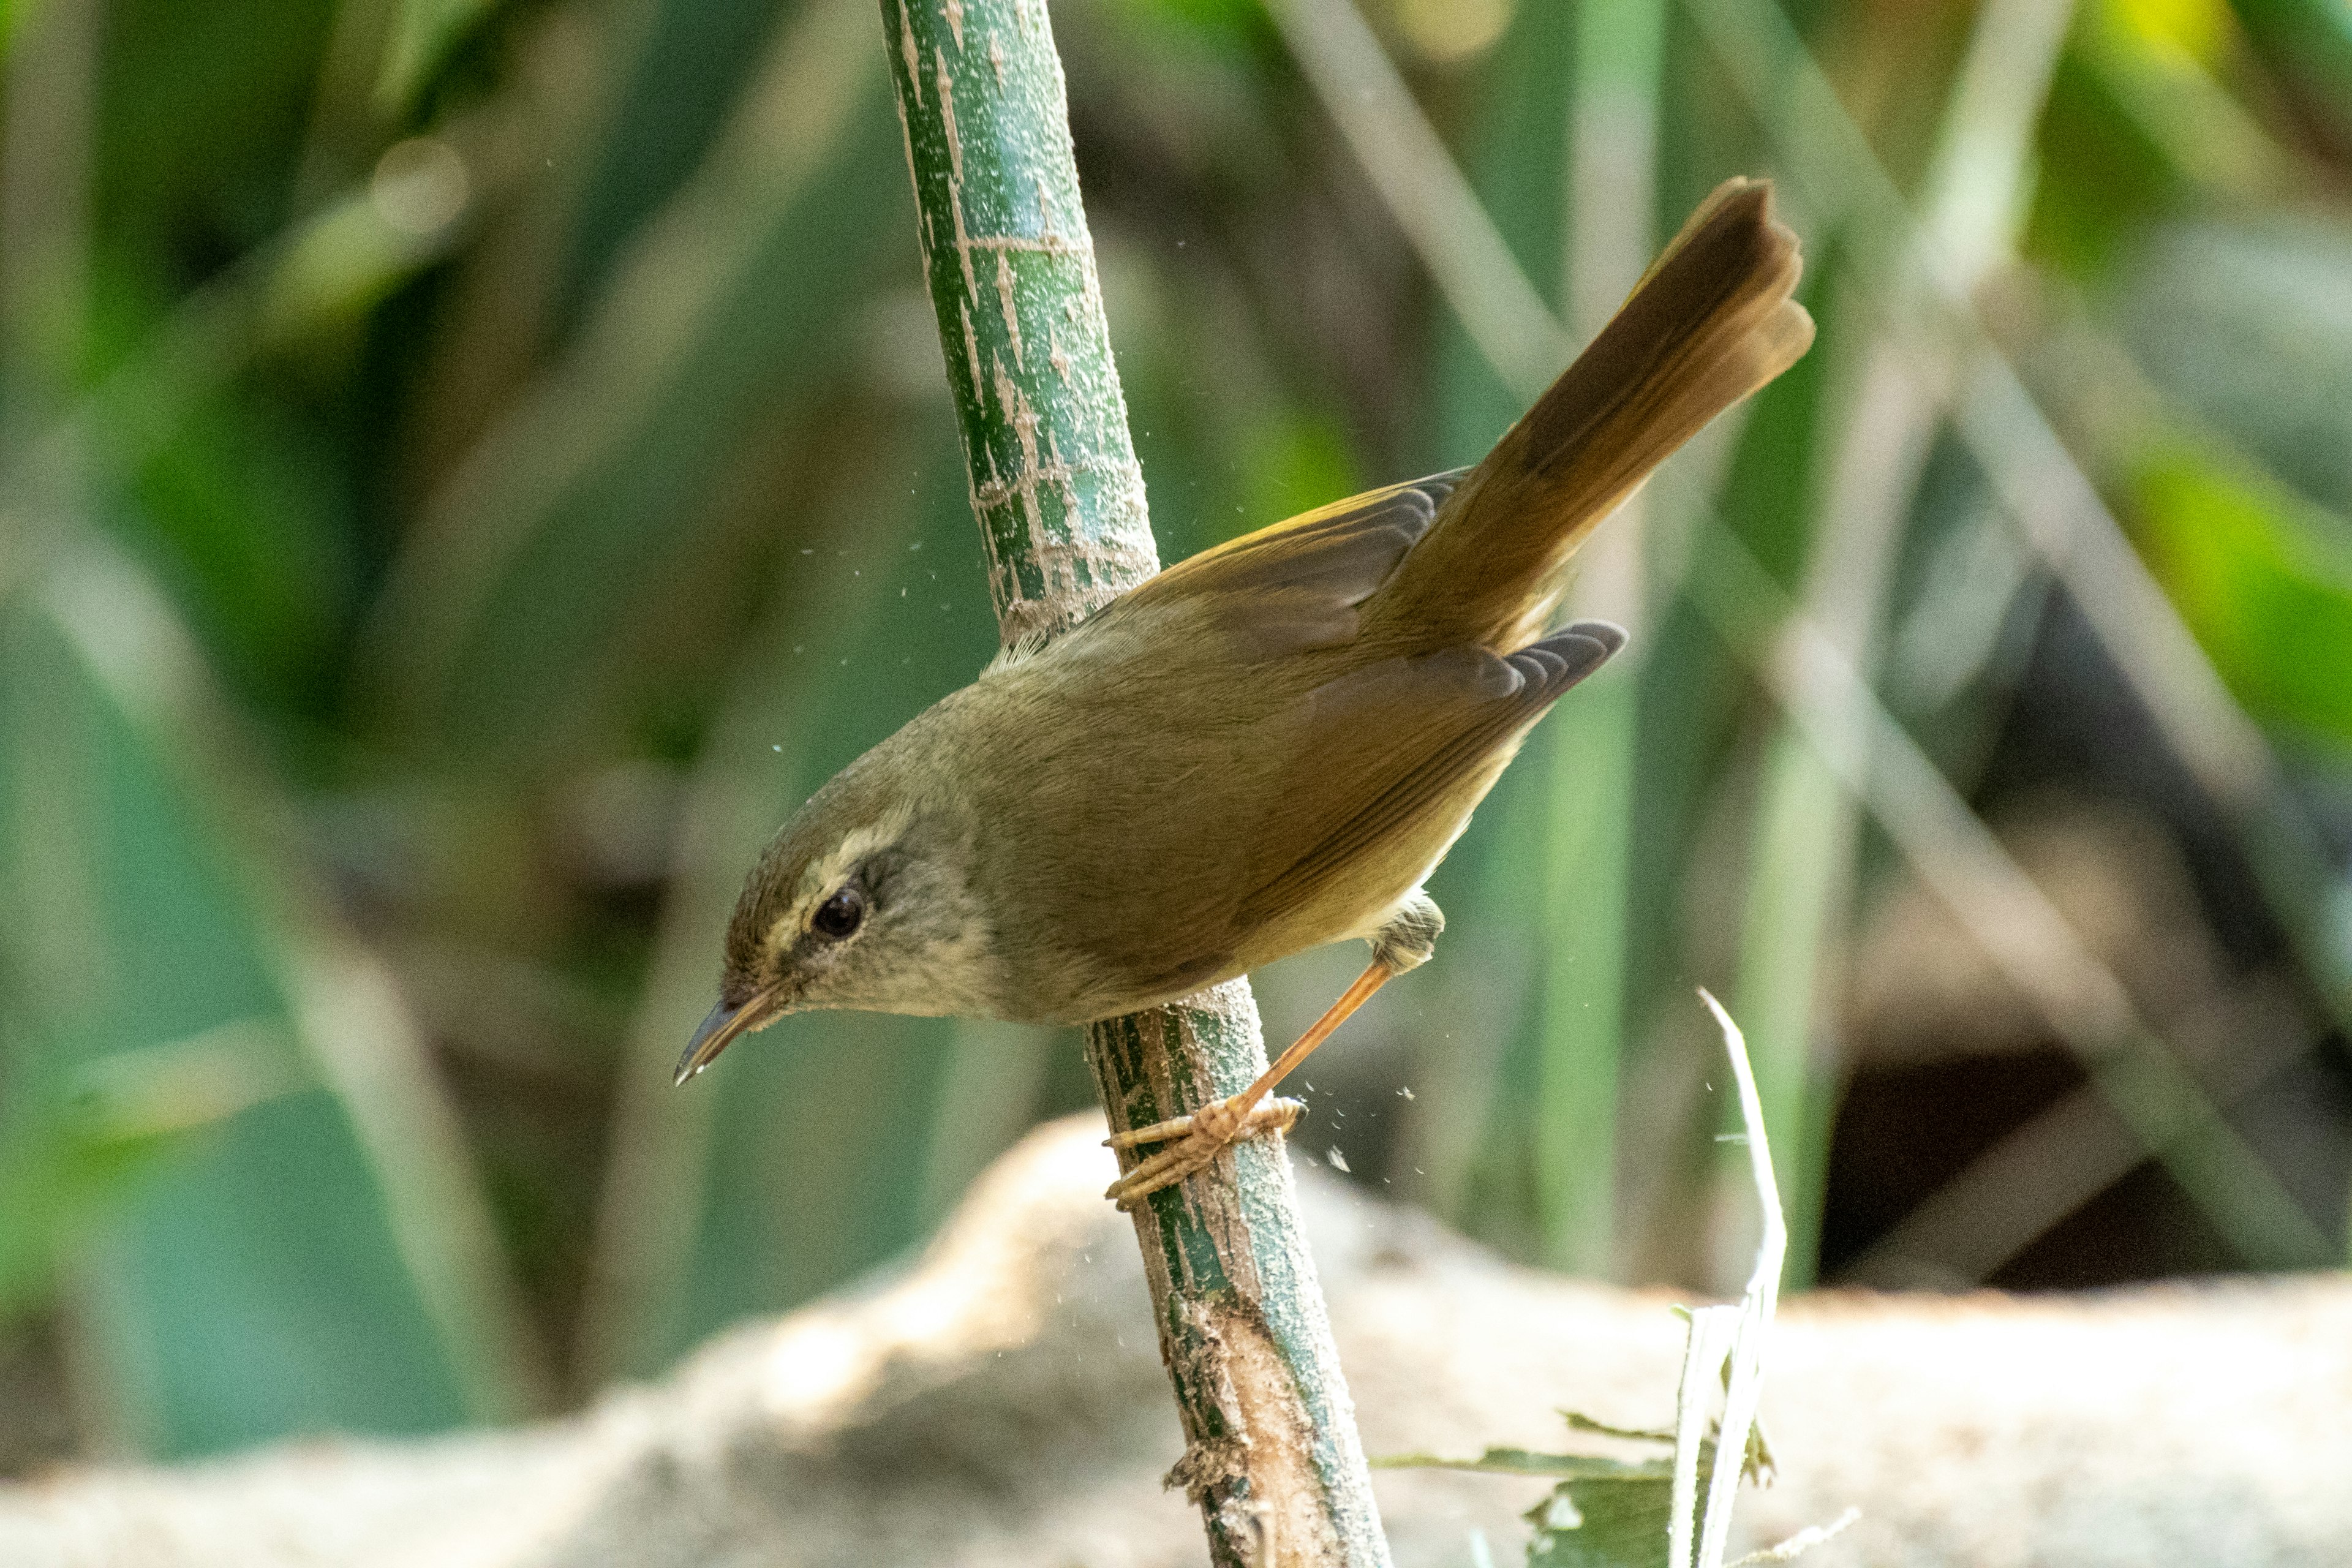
(1271, 1453)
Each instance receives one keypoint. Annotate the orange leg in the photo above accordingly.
(1194, 1141)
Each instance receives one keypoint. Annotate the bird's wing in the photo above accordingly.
(1389, 748)
(1295, 584)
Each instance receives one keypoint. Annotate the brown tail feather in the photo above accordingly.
(1710, 323)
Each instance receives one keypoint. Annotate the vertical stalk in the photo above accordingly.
(1611, 159)
(1271, 1454)
(1805, 836)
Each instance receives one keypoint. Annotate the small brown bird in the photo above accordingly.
(1265, 748)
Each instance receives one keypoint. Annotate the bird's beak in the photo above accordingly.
(722, 1025)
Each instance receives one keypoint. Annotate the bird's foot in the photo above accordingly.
(1192, 1141)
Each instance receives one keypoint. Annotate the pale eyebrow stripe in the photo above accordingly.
(823, 878)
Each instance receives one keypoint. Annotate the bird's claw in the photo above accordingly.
(1192, 1143)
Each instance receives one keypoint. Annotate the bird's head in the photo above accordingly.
(860, 902)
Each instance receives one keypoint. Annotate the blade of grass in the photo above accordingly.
(47, 154)
(1416, 178)
(1587, 765)
(1588, 748)
(147, 941)
(1938, 834)
(1958, 858)
(423, 34)
(1471, 1127)
(565, 520)
(685, 65)
(340, 1000)
(1750, 1339)
(1584, 756)
(1804, 846)
(321, 272)
(134, 829)
(647, 1294)
(1704, 1348)
(2057, 510)
(820, 1148)
(2176, 102)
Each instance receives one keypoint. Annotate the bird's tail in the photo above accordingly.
(1710, 323)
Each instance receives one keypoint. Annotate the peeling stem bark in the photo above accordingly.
(1271, 1454)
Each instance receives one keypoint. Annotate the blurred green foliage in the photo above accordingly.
(468, 467)
(2255, 569)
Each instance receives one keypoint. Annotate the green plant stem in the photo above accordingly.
(1802, 854)
(1271, 1453)
(1932, 827)
(2058, 512)
(1589, 749)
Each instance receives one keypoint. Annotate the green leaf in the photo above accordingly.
(689, 69)
(1605, 1521)
(2309, 43)
(835, 1108)
(423, 32)
(241, 517)
(1295, 463)
(1604, 1513)
(1220, 19)
(233, 1266)
(832, 1110)
(2248, 326)
(1517, 162)
(1580, 1422)
(579, 534)
(195, 102)
(65, 1162)
(2265, 581)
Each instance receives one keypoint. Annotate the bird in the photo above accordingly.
(1265, 748)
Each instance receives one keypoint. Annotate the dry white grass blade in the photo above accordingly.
(1753, 1321)
(1712, 1330)
(1796, 1545)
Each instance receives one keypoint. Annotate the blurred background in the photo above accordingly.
(468, 467)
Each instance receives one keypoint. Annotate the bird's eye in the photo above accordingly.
(840, 914)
